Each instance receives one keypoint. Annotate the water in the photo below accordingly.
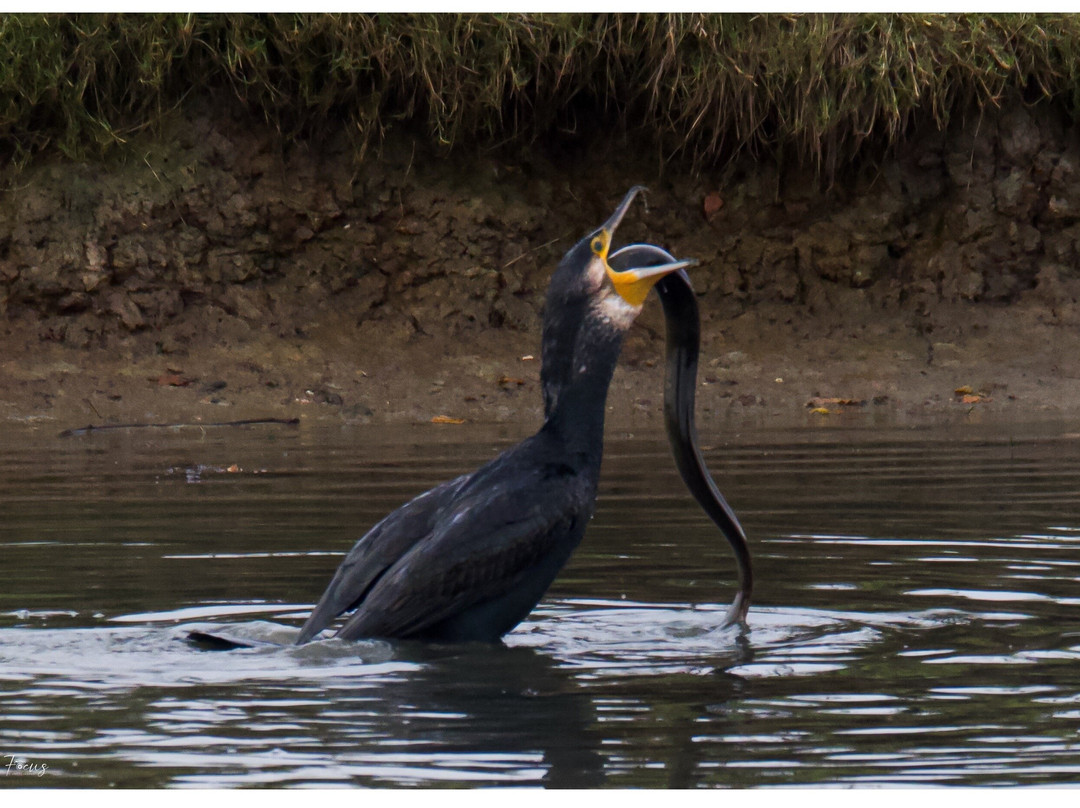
(917, 617)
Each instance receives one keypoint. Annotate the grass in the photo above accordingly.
(818, 88)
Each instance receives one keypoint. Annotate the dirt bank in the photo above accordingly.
(220, 278)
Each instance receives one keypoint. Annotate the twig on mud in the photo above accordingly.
(90, 404)
(529, 252)
(86, 430)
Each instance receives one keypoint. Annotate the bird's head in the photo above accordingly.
(594, 296)
(617, 282)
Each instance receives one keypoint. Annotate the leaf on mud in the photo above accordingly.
(173, 380)
(233, 469)
(820, 403)
(507, 381)
(820, 411)
(969, 395)
(712, 205)
(446, 419)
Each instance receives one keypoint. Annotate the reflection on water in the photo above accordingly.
(917, 618)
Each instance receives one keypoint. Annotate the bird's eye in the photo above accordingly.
(598, 245)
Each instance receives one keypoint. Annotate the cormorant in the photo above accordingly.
(469, 559)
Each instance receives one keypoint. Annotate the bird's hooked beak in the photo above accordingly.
(633, 282)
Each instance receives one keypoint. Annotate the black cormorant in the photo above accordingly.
(469, 559)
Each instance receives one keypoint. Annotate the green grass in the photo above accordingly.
(819, 88)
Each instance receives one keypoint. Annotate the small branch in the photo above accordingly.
(86, 430)
(530, 252)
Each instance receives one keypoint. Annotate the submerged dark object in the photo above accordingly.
(469, 559)
(218, 640)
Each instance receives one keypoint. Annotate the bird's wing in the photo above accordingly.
(378, 550)
(480, 555)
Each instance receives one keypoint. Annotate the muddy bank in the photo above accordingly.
(220, 277)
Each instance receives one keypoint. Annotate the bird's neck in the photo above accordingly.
(575, 400)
